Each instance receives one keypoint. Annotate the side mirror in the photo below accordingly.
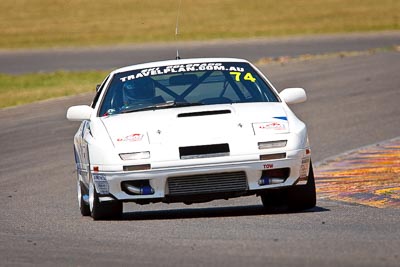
(293, 95)
(79, 113)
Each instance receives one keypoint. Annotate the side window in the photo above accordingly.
(98, 92)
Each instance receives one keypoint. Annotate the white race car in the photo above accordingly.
(191, 130)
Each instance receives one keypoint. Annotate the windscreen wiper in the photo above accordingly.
(168, 104)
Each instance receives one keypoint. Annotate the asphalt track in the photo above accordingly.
(353, 101)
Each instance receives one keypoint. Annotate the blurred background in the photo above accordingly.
(34, 36)
(55, 23)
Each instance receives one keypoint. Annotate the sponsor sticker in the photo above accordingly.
(101, 184)
(131, 138)
(277, 126)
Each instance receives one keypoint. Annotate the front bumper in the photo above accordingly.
(110, 184)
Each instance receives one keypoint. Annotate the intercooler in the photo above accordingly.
(207, 183)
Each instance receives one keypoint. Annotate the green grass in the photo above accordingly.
(54, 23)
(27, 88)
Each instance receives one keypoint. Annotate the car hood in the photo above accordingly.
(199, 125)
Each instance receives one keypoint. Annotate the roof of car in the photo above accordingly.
(176, 62)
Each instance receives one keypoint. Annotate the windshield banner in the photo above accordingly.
(181, 68)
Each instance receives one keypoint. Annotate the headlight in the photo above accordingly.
(272, 144)
(135, 155)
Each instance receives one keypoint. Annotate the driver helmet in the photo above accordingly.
(138, 90)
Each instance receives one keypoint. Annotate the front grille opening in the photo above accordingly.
(274, 176)
(282, 173)
(205, 151)
(204, 113)
(207, 183)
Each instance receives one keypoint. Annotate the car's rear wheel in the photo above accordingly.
(295, 198)
(102, 210)
(82, 195)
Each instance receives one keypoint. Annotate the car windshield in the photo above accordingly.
(185, 85)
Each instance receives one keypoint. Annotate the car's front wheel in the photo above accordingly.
(303, 197)
(295, 198)
(102, 210)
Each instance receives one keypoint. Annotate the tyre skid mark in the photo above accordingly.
(369, 176)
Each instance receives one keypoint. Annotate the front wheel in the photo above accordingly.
(102, 210)
(303, 197)
(294, 198)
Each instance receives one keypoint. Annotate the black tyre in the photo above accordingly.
(82, 193)
(302, 197)
(102, 210)
(295, 198)
(275, 200)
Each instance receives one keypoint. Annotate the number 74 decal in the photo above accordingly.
(246, 77)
